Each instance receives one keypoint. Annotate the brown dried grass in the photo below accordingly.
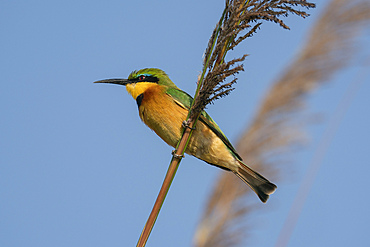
(274, 133)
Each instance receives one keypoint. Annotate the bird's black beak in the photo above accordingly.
(123, 82)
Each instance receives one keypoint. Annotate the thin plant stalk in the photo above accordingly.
(215, 70)
(177, 156)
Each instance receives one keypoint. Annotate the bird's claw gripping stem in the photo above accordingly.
(186, 124)
(177, 156)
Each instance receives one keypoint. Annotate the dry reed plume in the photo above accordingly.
(238, 16)
(239, 21)
(274, 132)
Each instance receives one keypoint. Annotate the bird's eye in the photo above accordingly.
(141, 78)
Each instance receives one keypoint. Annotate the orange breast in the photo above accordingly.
(160, 113)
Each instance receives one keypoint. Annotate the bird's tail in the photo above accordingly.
(259, 184)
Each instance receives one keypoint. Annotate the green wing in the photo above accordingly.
(184, 100)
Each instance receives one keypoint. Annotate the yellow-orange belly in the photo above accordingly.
(164, 116)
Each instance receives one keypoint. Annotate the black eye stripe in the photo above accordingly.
(145, 78)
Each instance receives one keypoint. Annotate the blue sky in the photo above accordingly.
(77, 166)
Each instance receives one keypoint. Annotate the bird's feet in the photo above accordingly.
(186, 124)
(177, 156)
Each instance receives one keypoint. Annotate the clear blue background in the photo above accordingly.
(77, 166)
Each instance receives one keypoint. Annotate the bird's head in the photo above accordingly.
(151, 75)
(138, 80)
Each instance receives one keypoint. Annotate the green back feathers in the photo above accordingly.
(180, 97)
(184, 100)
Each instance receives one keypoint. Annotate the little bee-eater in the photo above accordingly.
(163, 107)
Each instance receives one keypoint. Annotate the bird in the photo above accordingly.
(164, 107)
